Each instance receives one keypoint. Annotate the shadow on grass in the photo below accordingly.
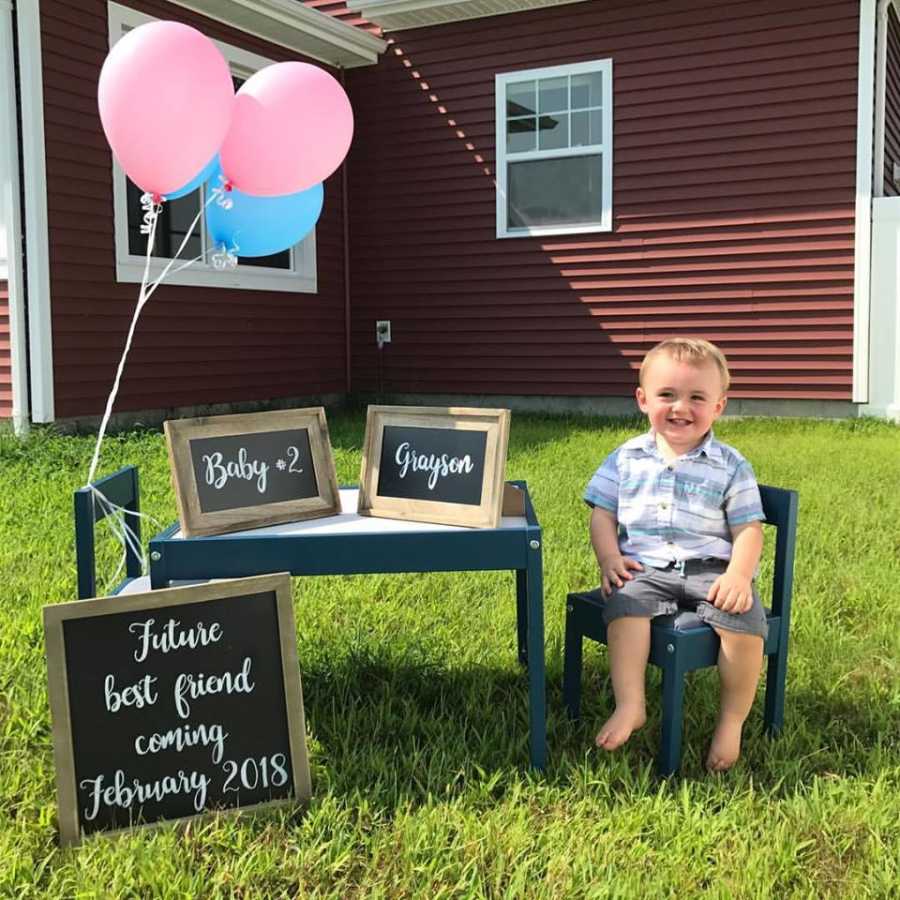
(831, 737)
(399, 731)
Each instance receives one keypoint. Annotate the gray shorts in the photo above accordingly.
(663, 592)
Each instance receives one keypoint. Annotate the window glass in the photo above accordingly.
(275, 261)
(553, 132)
(171, 227)
(520, 135)
(566, 191)
(587, 128)
(553, 94)
(586, 90)
(554, 150)
(520, 99)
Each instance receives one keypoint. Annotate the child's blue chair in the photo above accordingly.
(122, 489)
(681, 643)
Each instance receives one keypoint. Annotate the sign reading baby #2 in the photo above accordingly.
(175, 703)
(430, 464)
(245, 471)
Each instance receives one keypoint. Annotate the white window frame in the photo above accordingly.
(299, 278)
(501, 80)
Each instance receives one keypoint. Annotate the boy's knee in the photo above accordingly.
(740, 641)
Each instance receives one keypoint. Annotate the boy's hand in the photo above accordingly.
(615, 569)
(731, 592)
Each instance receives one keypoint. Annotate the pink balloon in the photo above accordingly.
(166, 99)
(291, 128)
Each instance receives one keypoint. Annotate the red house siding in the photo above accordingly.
(5, 360)
(892, 105)
(734, 185)
(193, 345)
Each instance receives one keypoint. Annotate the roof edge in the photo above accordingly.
(392, 15)
(290, 24)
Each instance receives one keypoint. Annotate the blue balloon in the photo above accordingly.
(197, 180)
(260, 226)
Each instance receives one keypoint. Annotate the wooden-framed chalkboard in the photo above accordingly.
(250, 470)
(175, 703)
(434, 464)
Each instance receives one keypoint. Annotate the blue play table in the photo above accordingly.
(349, 544)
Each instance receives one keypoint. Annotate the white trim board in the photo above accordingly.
(884, 379)
(862, 242)
(290, 24)
(393, 15)
(300, 278)
(31, 87)
(11, 224)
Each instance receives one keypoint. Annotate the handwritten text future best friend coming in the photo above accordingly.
(119, 790)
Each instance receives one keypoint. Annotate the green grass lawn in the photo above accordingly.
(416, 707)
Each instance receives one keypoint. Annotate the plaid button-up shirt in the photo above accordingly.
(679, 510)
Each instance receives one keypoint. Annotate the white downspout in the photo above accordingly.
(34, 182)
(11, 216)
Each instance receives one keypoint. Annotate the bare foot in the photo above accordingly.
(618, 727)
(726, 745)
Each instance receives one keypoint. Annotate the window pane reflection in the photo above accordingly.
(520, 99)
(172, 226)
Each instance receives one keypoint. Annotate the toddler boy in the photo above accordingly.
(675, 524)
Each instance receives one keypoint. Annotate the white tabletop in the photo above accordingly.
(350, 522)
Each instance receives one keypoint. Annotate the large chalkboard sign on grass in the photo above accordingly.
(246, 471)
(434, 464)
(175, 703)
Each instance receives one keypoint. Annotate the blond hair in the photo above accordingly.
(693, 351)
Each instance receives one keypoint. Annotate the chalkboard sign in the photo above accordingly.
(432, 464)
(175, 703)
(245, 471)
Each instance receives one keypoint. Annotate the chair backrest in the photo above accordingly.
(780, 508)
(122, 489)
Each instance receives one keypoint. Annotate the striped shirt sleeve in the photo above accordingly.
(603, 488)
(742, 501)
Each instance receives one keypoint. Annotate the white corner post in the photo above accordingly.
(862, 257)
(884, 393)
(11, 223)
(34, 184)
(884, 302)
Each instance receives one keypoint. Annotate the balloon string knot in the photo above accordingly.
(226, 257)
(150, 210)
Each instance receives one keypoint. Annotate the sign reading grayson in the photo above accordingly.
(440, 464)
(174, 703)
(245, 471)
(432, 464)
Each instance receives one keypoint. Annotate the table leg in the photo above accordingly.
(537, 701)
(522, 615)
